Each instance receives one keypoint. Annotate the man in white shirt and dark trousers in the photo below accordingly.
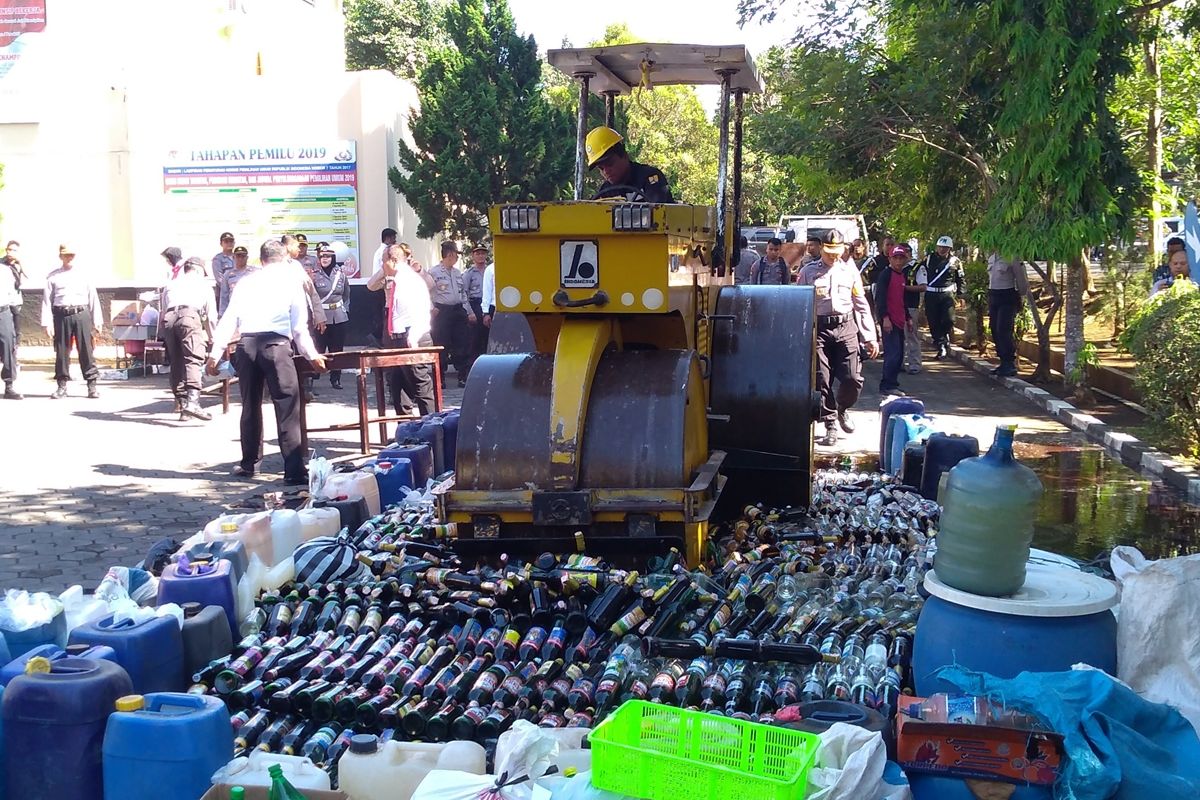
(409, 310)
(270, 312)
(71, 309)
(186, 323)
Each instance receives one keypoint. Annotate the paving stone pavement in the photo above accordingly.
(87, 484)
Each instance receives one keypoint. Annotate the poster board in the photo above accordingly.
(261, 191)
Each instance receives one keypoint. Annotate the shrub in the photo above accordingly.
(1164, 337)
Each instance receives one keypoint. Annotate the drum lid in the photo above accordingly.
(1054, 587)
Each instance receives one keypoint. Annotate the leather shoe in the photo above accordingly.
(845, 421)
(59, 393)
(830, 439)
(12, 394)
(242, 472)
(300, 481)
(1005, 372)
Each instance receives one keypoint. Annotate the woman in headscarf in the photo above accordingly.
(333, 289)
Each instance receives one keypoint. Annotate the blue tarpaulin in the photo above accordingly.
(1118, 745)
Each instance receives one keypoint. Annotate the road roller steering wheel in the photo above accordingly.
(621, 191)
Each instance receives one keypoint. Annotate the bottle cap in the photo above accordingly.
(77, 650)
(570, 772)
(237, 793)
(364, 744)
(131, 702)
(37, 665)
(191, 609)
(228, 527)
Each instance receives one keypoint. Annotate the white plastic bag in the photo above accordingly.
(850, 764)
(531, 752)
(1158, 642)
(319, 470)
(22, 611)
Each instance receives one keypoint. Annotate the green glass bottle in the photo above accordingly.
(280, 788)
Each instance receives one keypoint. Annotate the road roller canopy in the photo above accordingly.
(621, 68)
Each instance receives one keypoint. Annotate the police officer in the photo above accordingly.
(843, 321)
(605, 149)
(477, 333)
(223, 260)
(306, 259)
(451, 312)
(946, 280)
(71, 310)
(333, 290)
(11, 301)
(186, 323)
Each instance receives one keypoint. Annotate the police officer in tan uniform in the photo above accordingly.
(843, 322)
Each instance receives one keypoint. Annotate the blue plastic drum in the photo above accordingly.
(420, 456)
(1061, 617)
(449, 437)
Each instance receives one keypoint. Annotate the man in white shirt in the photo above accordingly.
(489, 294)
(270, 312)
(389, 238)
(408, 309)
(186, 323)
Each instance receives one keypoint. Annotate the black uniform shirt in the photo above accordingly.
(650, 180)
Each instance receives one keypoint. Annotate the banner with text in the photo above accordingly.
(263, 191)
(18, 17)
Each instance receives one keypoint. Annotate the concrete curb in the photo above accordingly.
(1132, 452)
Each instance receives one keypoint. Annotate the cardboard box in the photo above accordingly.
(967, 737)
(221, 792)
(125, 312)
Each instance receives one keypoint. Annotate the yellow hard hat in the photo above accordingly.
(599, 141)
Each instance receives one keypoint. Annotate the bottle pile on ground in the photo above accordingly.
(795, 607)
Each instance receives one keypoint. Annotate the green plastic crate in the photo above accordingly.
(660, 752)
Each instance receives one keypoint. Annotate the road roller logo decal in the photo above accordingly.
(579, 264)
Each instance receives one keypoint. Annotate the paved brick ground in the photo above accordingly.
(85, 484)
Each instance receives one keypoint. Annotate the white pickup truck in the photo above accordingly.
(851, 226)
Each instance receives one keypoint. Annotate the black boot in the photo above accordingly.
(830, 439)
(12, 394)
(335, 380)
(192, 407)
(845, 421)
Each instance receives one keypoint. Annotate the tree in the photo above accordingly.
(1065, 181)
(395, 35)
(485, 132)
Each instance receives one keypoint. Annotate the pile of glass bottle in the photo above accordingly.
(433, 649)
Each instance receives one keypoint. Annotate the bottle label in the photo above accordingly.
(534, 639)
(629, 621)
(638, 689)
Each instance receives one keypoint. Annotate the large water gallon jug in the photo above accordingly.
(52, 632)
(252, 530)
(54, 729)
(232, 550)
(351, 513)
(315, 522)
(393, 476)
(429, 430)
(942, 452)
(449, 438)
(150, 651)
(209, 583)
(897, 405)
(206, 636)
(165, 745)
(434, 432)
(419, 454)
(352, 485)
(53, 652)
(905, 428)
(300, 771)
(371, 770)
(987, 524)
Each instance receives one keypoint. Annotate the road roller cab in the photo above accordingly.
(631, 388)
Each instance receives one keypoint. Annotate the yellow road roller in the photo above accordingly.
(631, 393)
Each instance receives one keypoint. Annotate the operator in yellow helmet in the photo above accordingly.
(624, 177)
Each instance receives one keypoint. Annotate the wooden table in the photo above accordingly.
(376, 361)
